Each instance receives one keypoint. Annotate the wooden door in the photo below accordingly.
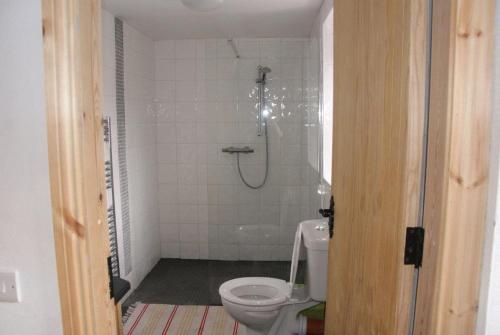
(457, 179)
(71, 35)
(380, 77)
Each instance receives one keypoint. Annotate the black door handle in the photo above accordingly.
(330, 214)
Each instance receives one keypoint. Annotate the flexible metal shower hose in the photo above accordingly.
(267, 163)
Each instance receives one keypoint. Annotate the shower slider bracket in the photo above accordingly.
(238, 150)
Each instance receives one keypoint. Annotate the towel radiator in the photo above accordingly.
(111, 215)
(118, 287)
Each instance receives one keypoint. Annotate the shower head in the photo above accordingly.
(263, 70)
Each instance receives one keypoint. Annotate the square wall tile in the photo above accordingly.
(227, 215)
(203, 214)
(165, 49)
(187, 194)
(249, 252)
(190, 251)
(227, 68)
(228, 252)
(185, 112)
(228, 233)
(204, 251)
(185, 69)
(186, 153)
(269, 235)
(249, 47)
(185, 49)
(270, 48)
(249, 234)
(213, 234)
(170, 250)
(186, 91)
(186, 133)
(166, 133)
(206, 69)
(203, 233)
(188, 214)
(271, 253)
(224, 49)
(166, 153)
(188, 233)
(169, 232)
(187, 174)
(167, 173)
(165, 69)
(206, 49)
(167, 194)
(169, 214)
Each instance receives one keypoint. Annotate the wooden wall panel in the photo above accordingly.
(457, 169)
(72, 33)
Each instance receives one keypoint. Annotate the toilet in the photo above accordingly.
(269, 306)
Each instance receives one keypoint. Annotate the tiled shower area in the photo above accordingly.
(185, 100)
(206, 99)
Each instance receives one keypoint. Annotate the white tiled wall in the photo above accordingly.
(206, 100)
(141, 151)
(141, 141)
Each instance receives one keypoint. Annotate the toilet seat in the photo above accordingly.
(255, 291)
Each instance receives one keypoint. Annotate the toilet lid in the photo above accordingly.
(295, 258)
(255, 291)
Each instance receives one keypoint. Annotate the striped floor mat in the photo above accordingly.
(153, 319)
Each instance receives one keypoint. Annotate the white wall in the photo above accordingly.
(493, 309)
(26, 239)
(141, 142)
(207, 100)
(489, 311)
(141, 152)
(319, 98)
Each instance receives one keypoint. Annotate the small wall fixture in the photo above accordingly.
(202, 5)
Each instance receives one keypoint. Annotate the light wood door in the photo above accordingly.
(379, 108)
(71, 34)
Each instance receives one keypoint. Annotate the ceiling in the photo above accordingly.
(169, 19)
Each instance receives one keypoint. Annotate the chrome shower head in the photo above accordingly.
(263, 70)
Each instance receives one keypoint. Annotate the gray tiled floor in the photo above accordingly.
(196, 282)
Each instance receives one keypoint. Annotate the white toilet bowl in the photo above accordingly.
(255, 301)
(266, 306)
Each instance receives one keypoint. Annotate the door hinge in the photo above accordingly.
(110, 276)
(414, 247)
(330, 214)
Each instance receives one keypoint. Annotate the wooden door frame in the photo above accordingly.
(72, 62)
(457, 166)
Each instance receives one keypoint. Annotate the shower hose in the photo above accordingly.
(267, 164)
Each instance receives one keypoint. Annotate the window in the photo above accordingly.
(327, 96)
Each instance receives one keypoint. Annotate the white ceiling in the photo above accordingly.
(169, 19)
